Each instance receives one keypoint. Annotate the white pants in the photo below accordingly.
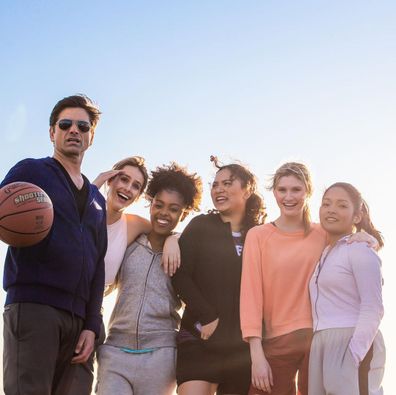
(152, 373)
(332, 370)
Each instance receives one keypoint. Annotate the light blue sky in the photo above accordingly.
(260, 81)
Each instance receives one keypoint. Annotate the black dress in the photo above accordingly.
(208, 282)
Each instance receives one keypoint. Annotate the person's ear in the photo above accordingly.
(52, 133)
(357, 218)
(247, 194)
(150, 205)
(92, 137)
(184, 215)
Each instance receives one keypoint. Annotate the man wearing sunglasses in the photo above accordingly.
(55, 288)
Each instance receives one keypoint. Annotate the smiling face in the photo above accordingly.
(166, 210)
(227, 193)
(71, 142)
(124, 188)
(291, 196)
(337, 213)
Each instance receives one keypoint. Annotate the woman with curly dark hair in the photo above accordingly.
(211, 354)
(124, 184)
(139, 354)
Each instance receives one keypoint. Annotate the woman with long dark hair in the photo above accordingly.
(211, 354)
(347, 353)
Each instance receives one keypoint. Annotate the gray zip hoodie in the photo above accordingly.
(145, 314)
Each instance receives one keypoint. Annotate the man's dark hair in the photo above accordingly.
(76, 101)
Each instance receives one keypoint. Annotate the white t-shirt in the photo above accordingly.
(237, 236)
(117, 239)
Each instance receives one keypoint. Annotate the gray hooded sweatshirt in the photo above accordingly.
(145, 314)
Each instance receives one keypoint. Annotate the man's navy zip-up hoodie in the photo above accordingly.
(66, 269)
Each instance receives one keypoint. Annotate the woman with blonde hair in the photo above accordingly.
(278, 261)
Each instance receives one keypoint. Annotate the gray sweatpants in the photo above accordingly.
(152, 373)
(332, 370)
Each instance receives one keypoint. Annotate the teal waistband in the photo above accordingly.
(141, 351)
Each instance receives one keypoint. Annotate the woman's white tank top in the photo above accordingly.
(117, 239)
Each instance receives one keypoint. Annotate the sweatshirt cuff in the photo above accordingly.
(93, 324)
(251, 332)
(355, 356)
(208, 318)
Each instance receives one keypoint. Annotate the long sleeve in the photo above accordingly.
(66, 269)
(183, 281)
(366, 267)
(252, 295)
(93, 317)
(19, 173)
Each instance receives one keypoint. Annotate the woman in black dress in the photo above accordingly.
(212, 356)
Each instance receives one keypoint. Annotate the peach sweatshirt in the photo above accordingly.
(277, 267)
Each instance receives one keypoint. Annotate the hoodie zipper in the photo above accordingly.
(81, 227)
(320, 267)
(142, 300)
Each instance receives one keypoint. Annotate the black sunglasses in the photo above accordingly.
(83, 126)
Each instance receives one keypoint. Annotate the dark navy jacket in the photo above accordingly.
(66, 269)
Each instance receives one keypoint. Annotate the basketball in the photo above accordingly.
(26, 214)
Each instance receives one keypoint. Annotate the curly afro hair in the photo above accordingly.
(176, 178)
